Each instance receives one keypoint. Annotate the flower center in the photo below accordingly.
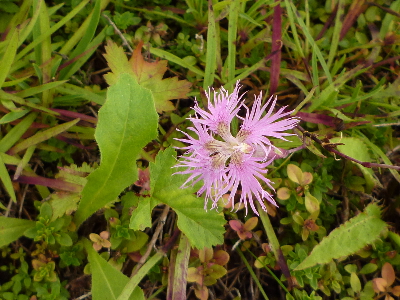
(223, 153)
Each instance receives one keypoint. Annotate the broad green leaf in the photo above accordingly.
(202, 228)
(349, 238)
(11, 229)
(356, 148)
(127, 122)
(107, 282)
(383, 156)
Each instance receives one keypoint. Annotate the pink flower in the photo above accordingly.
(223, 161)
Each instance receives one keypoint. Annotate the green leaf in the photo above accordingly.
(42, 136)
(295, 174)
(141, 216)
(46, 211)
(356, 148)
(212, 46)
(13, 115)
(11, 229)
(349, 238)
(148, 74)
(355, 282)
(6, 180)
(127, 122)
(202, 228)
(312, 204)
(382, 155)
(64, 239)
(107, 282)
(83, 45)
(8, 56)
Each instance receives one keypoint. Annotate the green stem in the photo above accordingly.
(143, 271)
(269, 271)
(273, 240)
(252, 272)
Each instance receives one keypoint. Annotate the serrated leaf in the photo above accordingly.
(117, 61)
(11, 229)
(349, 238)
(147, 74)
(127, 122)
(202, 228)
(107, 282)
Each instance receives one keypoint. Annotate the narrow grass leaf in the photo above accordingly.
(6, 180)
(211, 55)
(336, 32)
(232, 34)
(131, 286)
(42, 136)
(51, 30)
(312, 42)
(84, 44)
(127, 122)
(107, 281)
(8, 57)
(77, 91)
(175, 59)
(293, 28)
(347, 239)
(38, 89)
(26, 31)
(13, 115)
(81, 59)
(16, 132)
(12, 229)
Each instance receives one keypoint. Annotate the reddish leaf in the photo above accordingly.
(221, 257)
(150, 75)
